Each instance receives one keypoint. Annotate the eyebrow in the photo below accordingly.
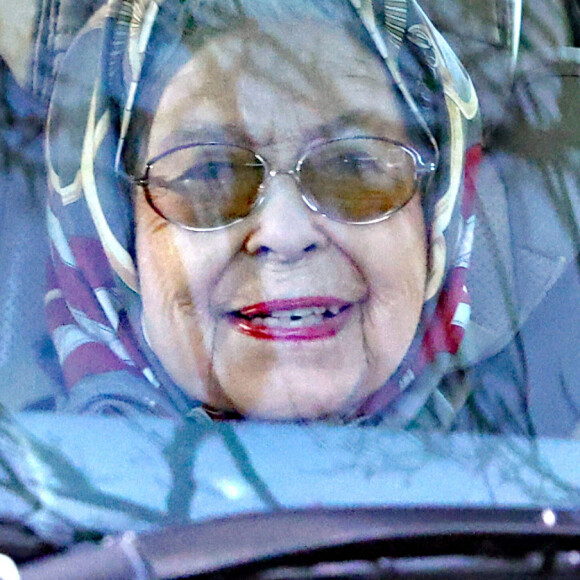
(227, 133)
(354, 121)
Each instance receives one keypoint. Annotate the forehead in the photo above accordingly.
(288, 84)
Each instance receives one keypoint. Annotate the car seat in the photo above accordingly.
(525, 63)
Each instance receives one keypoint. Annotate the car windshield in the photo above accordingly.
(270, 255)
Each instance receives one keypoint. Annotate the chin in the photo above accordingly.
(313, 397)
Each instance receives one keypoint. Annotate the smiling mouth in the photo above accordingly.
(297, 319)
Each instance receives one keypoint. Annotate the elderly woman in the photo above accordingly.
(261, 209)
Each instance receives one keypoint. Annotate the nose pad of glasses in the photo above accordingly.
(284, 222)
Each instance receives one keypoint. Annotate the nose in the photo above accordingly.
(285, 229)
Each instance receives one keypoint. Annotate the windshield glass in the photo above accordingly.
(262, 255)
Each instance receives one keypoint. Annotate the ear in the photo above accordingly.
(436, 267)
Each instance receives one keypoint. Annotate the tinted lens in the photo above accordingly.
(358, 179)
(205, 186)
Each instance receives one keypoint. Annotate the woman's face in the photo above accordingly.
(221, 308)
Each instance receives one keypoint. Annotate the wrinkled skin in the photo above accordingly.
(279, 93)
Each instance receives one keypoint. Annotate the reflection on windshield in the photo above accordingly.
(265, 254)
(338, 242)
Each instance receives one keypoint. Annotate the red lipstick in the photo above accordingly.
(295, 319)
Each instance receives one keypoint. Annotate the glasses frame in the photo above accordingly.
(423, 174)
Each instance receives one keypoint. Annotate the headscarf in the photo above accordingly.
(92, 302)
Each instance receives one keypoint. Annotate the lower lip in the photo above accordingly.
(328, 328)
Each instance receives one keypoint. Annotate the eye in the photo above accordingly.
(215, 172)
(354, 163)
(357, 158)
(210, 169)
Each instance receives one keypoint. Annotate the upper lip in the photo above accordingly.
(282, 306)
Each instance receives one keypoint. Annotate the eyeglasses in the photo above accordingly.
(354, 180)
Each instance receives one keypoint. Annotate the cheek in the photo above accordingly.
(178, 272)
(178, 268)
(162, 276)
(392, 255)
(399, 256)
(396, 274)
(174, 314)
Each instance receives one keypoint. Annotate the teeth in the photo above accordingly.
(291, 321)
(298, 317)
(298, 313)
